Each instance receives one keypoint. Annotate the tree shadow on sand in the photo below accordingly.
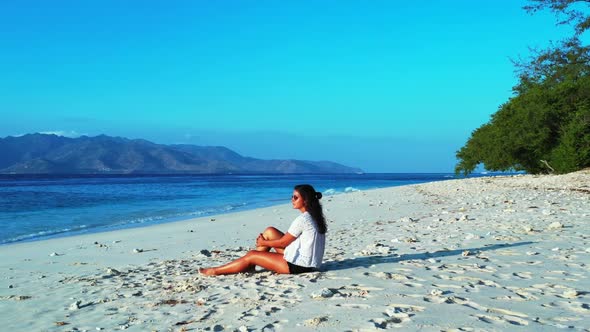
(367, 261)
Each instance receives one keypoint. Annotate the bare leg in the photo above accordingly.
(269, 260)
(271, 233)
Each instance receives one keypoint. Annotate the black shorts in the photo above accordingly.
(296, 269)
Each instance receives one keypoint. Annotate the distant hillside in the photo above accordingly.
(51, 154)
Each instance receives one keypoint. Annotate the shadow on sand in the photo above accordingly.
(367, 261)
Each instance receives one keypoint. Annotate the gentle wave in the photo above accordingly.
(175, 216)
(332, 191)
(44, 234)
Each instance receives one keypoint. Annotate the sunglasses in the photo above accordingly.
(294, 197)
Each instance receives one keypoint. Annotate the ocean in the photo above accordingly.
(41, 207)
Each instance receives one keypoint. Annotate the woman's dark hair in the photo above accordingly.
(313, 205)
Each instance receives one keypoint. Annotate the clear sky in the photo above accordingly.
(387, 86)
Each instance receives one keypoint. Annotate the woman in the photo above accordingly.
(299, 250)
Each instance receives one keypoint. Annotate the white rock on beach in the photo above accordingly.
(570, 294)
(555, 225)
(323, 293)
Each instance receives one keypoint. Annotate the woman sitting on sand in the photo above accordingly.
(299, 250)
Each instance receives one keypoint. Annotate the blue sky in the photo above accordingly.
(387, 86)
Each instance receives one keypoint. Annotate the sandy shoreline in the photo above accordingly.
(496, 253)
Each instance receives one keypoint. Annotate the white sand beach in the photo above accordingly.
(493, 254)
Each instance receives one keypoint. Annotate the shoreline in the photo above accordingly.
(200, 211)
(498, 252)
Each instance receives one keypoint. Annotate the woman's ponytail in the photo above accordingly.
(313, 205)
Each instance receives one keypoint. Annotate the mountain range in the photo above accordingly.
(52, 154)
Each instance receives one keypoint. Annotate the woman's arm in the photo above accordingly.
(283, 242)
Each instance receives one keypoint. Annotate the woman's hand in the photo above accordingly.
(260, 241)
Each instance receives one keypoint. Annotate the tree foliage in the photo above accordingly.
(571, 9)
(545, 126)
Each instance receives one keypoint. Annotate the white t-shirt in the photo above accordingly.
(308, 249)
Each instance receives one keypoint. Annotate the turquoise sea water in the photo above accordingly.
(40, 207)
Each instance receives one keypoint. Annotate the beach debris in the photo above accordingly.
(15, 297)
(466, 253)
(470, 236)
(407, 219)
(268, 328)
(316, 321)
(242, 329)
(138, 293)
(184, 322)
(323, 293)
(10, 286)
(75, 305)
(212, 219)
(374, 248)
(570, 294)
(172, 302)
(61, 323)
(555, 225)
(394, 276)
(53, 254)
(100, 245)
(113, 272)
(436, 292)
(402, 312)
(383, 275)
(78, 263)
(205, 253)
(398, 318)
(137, 250)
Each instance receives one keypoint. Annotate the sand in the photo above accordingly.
(498, 253)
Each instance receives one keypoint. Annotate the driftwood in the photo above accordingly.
(544, 162)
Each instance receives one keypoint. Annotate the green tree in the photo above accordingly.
(545, 126)
(570, 9)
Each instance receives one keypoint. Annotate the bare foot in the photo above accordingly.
(207, 272)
